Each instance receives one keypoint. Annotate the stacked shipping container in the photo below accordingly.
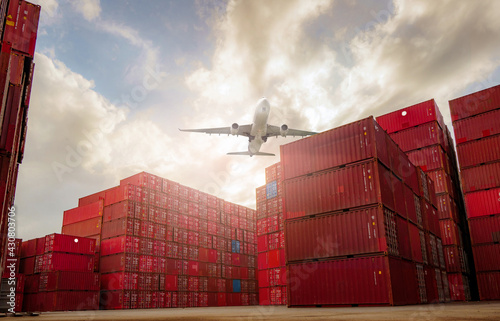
(60, 274)
(163, 244)
(420, 132)
(360, 223)
(271, 240)
(19, 22)
(476, 122)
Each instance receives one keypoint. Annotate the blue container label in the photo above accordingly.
(236, 286)
(271, 190)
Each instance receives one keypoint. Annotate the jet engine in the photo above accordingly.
(283, 130)
(234, 129)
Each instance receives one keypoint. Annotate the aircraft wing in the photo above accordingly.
(275, 131)
(243, 130)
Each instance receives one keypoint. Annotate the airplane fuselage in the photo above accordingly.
(259, 126)
(257, 132)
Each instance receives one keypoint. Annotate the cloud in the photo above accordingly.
(79, 143)
(318, 74)
(320, 68)
(262, 49)
(320, 65)
(90, 9)
(426, 50)
(149, 55)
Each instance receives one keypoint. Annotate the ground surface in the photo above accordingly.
(441, 312)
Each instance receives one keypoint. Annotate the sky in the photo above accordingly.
(114, 80)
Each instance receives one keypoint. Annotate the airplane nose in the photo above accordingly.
(264, 104)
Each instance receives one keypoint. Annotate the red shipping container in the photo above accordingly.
(264, 296)
(171, 282)
(17, 69)
(4, 74)
(450, 233)
(263, 261)
(68, 280)
(442, 182)
(221, 299)
(483, 203)
(489, 285)
(32, 283)
(120, 193)
(411, 116)
(412, 206)
(333, 148)
(121, 226)
(212, 256)
(69, 301)
(447, 208)
(193, 268)
(478, 152)
(486, 257)
(69, 244)
(28, 248)
(432, 191)
(477, 127)
(364, 231)
(430, 158)
(193, 284)
(274, 259)
(89, 199)
(121, 244)
(399, 197)
(459, 287)
(475, 103)
(139, 179)
(390, 281)
(120, 299)
(119, 281)
(119, 262)
(348, 187)
(415, 243)
(13, 115)
(119, 210)
(403, 238)
(40, 245)
(84, 228)
(481, 177)
(424, 135)
(233, 299)
(431, 285)
(83, 213)
(430, 218)
(453, 257)
(27, 265)
(21, 26)
(485, 229)
(67, 262)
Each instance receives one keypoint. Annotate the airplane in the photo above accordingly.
(257, 132)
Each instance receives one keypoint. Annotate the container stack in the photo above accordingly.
(361, 226)
(476, 122)
(63, 275)
(86, 221)
(29, 251)
(270, 239)
(12, 284)
(18, 31)
(163, 244)
(420, 132)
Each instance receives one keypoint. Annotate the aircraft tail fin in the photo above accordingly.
(248, 154)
